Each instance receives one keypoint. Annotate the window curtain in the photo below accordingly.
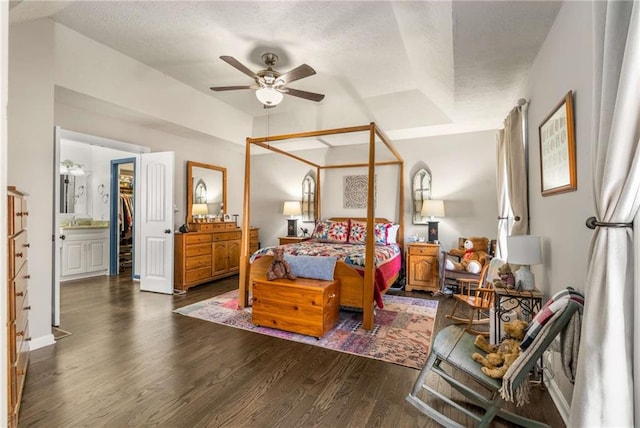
(511, 181)
(503, 200)
(607, 376)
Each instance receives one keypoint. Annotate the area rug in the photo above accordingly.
(401, 334)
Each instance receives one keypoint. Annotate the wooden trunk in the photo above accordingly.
(305, 306)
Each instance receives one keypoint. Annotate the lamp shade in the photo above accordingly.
(432, 208)
(524, 250)
(269, 96)
(199, 209)
(292, 208)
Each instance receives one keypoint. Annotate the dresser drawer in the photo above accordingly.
(198, 250)
(198, 262)
(424, 251)
(253, 234)
(227, 236)
(198, 274)
(197, 238)
(17, 253)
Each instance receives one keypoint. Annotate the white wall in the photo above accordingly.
(463, 174)
(564, 63)
(4, 47)
(30, 152)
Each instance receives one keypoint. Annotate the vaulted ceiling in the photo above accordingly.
(417, 68)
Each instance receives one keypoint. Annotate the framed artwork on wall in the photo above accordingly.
(558, 149)
(356, 191)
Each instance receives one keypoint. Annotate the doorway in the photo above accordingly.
(122, 227)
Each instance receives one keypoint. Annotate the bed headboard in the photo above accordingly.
(377, 219)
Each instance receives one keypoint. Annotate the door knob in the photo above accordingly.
(167, 231)
(62, 237)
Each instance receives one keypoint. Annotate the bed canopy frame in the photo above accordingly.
(369, 272)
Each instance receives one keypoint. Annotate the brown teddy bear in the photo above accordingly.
(279, 267)
(500, 357)
(505, 278)
(472, 258)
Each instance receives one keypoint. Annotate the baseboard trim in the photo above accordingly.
(42, 341)
(558, 399)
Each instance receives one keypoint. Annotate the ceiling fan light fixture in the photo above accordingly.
(269, 96)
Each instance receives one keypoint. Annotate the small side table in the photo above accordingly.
(292, 239)
(529, 302)
(422, 266)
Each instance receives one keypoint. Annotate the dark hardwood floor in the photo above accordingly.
(131, 362)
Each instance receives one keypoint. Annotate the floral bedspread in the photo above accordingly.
(352, 254)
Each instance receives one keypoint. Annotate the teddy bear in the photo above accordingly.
(500, 357)
(472, 257)
(279, 267)
(505, 278)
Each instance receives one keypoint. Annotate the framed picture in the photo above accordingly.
(558, 149)
(227, 217)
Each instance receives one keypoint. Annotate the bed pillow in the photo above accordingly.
(392, 234)
(313, 267)
(332, 231)
(358, 232)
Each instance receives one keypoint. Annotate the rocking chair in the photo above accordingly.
(477, 303)
(451, 352)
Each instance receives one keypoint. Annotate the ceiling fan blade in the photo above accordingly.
(297, 73)
(304, 94)
(238, 65)
(231, 88)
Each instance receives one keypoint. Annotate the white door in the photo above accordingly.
(57, 242)
(156, 222)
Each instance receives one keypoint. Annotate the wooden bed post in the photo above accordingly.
(243, 292)
(317, 201)
(369, 269)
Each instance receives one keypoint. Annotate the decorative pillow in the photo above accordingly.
(358, 232)
(313, 267)
(331, 231)
(392, 234)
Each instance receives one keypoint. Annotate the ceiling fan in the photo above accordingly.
(270, 84)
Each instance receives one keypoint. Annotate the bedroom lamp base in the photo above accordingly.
(292, 227)
(432, 231)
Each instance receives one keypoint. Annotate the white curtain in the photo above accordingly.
(606, 378)
(511, 182)
(503, 199)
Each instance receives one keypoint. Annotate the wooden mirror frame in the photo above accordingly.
(190, 189)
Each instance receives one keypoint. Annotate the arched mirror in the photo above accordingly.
(421, 190)
(206, 191)
(308, 199)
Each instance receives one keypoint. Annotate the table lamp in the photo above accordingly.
(292, 208)
(524, 250)
(432, 208)
(199, 211)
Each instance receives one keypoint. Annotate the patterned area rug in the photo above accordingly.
(402, 332)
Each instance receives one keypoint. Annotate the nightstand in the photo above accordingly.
(422, 266)
(292, 239)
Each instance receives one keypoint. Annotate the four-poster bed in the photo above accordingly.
(356, 290)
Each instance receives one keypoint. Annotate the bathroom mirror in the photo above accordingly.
(206, 191)
(421, 190)
(308, 199)
(73, 194)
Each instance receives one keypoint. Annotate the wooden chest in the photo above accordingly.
(305, 306)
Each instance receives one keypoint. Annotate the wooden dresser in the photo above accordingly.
(17, 301)
(422, 266)
(209, 253)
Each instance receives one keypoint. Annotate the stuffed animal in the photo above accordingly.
(505, 278)
(472, 258)
(279, 267)
(500, 357)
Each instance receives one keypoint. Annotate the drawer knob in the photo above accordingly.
(27, 276)
(20, 333)
(21, 372)
(25, 213)
(332, 295)
(20, 293)
(27, 245)
(28, 339)
(19, 254)
(27, 308)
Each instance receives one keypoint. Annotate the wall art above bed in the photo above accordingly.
(356, 191)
